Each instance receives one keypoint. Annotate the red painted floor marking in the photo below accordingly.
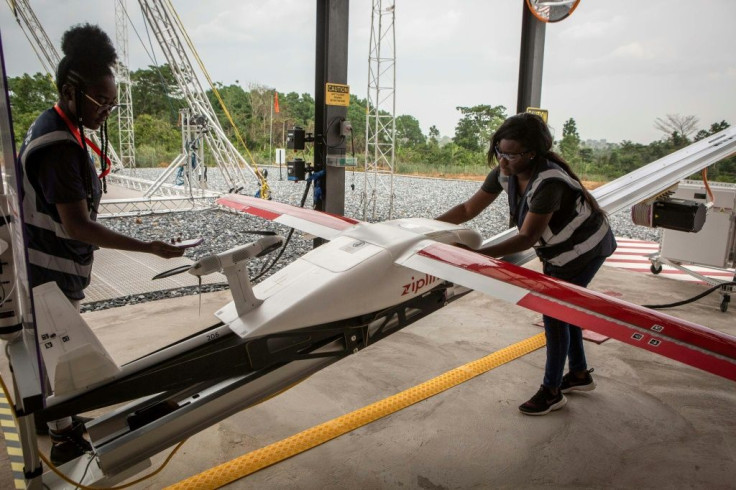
(633, 255)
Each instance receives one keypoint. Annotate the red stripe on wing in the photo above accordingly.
(272, 210)
(580, 306)
(665, 346)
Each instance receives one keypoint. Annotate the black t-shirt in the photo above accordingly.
(59, 172)
(59, 175)
(549, 198)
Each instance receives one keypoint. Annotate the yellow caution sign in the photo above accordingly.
(337, 94)
(539, 112)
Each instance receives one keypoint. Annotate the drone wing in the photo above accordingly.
(648, 329)
(317, 223)
(651, 330)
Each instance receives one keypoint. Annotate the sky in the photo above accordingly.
(612, 66)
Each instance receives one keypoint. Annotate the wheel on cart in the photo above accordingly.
(724, 303)
(656, 268)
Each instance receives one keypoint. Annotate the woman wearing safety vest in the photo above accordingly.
(61, 190)
(557, 216)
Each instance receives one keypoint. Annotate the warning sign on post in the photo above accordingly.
(337, 94)
(539, 112)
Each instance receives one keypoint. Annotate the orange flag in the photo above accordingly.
(276, 102)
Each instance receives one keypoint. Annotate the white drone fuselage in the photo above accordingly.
(353, 274)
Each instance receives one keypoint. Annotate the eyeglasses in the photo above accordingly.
(509, 157)
(102, 107)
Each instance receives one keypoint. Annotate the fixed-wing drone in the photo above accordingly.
(414, 257)
(368, 281)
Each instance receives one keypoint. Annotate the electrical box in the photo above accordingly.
(295, 138)
(715, 244)
(296, 170)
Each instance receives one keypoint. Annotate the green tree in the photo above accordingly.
(356, 116)
(629, 156)
(258, 128)
(30, 95)
(454, 155)
(724, 170)
(154, 91)
(570, 143)
(434, 135)
(473, 131)
(237, 102)
(408, 132)
(298, 110)
(157, 142)
(716, 127)
(677, 127)
(586, 155)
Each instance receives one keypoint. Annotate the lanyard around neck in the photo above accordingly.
(75, 132)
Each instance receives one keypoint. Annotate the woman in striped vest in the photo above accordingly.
(61, 189)
(557, 216)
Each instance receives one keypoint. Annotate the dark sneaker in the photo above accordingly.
(543, 402)
(570, 382)
(42, 428)
(68, 445)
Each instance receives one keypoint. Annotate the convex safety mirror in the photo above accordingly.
(552, 10)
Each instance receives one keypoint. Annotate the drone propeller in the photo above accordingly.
(172, 272)
(179, 270)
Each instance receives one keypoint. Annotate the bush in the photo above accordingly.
(151, 156)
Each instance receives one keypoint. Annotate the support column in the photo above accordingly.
(331, 66)
(531, 61)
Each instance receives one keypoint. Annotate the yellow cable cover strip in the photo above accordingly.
(261, 458)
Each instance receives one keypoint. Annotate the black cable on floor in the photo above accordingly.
(694, 298)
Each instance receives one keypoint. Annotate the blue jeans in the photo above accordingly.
(565, 340)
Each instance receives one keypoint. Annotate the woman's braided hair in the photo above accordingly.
(89, 56)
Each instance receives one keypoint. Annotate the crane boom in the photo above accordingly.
(162, 20)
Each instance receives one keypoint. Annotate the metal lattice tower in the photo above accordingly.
(125, 98)
(49, 56)
(36, 35)
(163, 20)
(380, 127)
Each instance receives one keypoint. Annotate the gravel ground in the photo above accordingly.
(222, 230)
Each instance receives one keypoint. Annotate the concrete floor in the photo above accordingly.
(651, 423)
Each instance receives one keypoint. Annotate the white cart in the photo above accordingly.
(712, 247)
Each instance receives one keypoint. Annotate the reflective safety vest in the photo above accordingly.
(52, 254)
(576, 237)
